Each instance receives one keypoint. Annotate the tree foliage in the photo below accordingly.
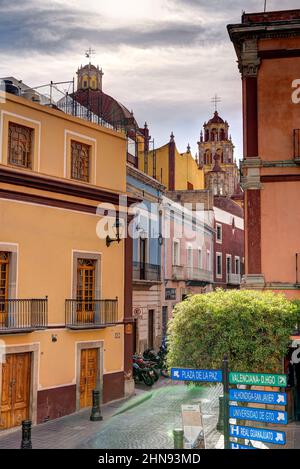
(252, 328)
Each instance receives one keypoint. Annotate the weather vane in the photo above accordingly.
(215, 100)
(89, 53)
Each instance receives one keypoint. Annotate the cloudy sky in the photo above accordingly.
(164, 59)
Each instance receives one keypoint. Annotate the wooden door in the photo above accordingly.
(88, 376)
(15, 396)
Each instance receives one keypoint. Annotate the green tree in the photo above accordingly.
(252, 328)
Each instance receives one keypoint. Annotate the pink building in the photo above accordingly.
(188, 257)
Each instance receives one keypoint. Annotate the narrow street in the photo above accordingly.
(144, 421)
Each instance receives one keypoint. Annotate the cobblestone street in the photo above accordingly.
(144, 421)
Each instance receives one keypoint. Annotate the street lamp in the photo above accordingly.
(118, 232)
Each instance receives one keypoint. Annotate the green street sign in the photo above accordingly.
(258, 379)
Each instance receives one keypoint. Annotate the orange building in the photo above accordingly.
(268, 51)
(65, 292)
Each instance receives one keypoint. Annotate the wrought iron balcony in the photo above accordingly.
(84, 314)
(146, 272)
(234, 279)
(23, 315)
(297, 145)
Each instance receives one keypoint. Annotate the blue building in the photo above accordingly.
(146, 230)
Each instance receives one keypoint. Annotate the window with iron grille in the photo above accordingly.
(20, 145)
(80, 161)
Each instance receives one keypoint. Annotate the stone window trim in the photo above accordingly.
(12, 249)
(98, 278)
(219, 255)
(80, 161)
(237, 259)
(176, 254)
(219, 229)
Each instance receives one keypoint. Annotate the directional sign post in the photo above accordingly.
(258, 379)
(184, 374)
(258, 434)
(258, 397)
(258, 415)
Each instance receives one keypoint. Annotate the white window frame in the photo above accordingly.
(219, 255)
(208, 260)
(237, 258)
(229, 256)
(176, 242)
(199, 259)
(219, 225)
(189, 249)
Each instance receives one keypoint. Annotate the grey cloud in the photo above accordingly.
(233, 8)
(48, 30)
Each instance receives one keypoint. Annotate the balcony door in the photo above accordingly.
(4, 276)
(86, 277)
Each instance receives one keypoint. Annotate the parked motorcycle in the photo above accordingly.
(159, 358)
(143, 363)
(143, 373)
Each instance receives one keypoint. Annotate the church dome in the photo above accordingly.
(216, 119)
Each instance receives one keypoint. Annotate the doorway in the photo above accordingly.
(15, 395)
(151, 328)
(88, 375)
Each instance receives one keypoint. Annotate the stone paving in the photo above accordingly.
(145, 421)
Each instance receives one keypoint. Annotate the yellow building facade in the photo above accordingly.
(65, 295)
(175, 170)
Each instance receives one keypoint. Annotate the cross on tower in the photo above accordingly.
(215, 100)
(89, 53)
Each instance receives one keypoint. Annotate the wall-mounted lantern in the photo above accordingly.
(118, 232)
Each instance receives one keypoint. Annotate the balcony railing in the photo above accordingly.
(19, 315)
(148, 272)
(198, 274)
(297, 144)
(234, 279)
(132, 159)
(82, 314)
(178, 272)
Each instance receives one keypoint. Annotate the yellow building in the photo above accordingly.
(65, 314)
(177, 171)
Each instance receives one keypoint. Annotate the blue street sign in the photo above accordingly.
(258, 434)
(238, 446)
(209, 376)
(260, 397)
(259, 415)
